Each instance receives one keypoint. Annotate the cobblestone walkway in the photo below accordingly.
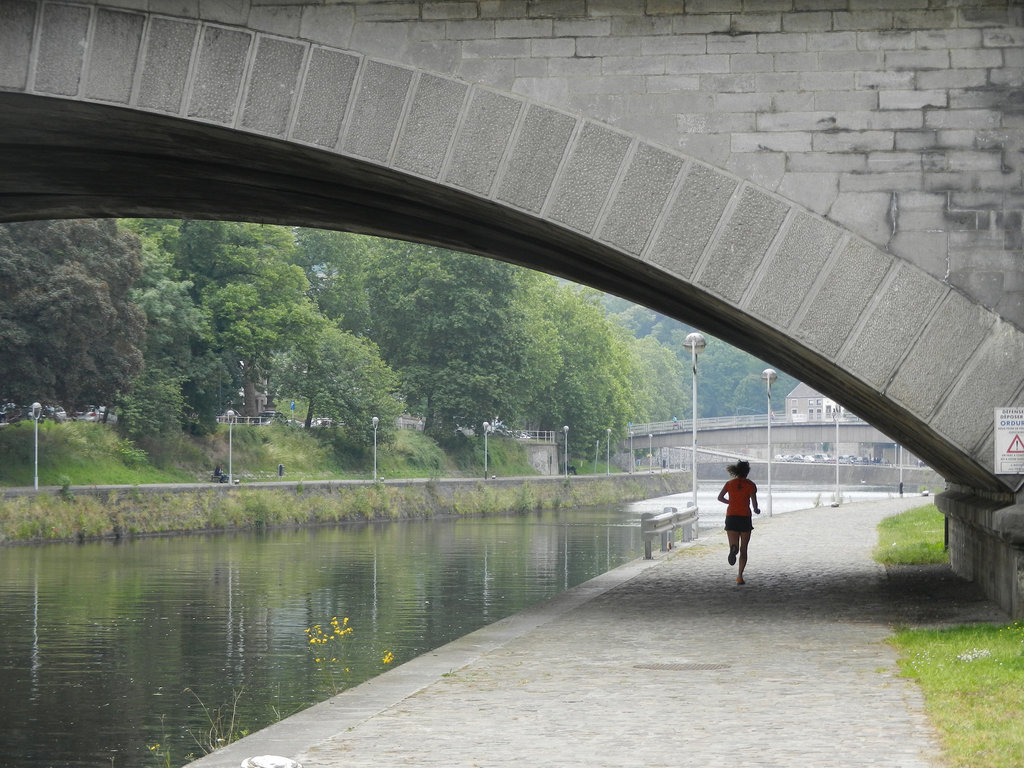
(667, 663)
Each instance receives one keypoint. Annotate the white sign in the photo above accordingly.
(1009, 442)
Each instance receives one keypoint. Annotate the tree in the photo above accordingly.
(334, 265)
(156, 404)
(342, 378)
(451, 324)
(68, 331)
(594, 387)
(244, 278)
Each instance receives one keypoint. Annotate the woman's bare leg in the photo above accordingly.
(744, 539)
(734, 544)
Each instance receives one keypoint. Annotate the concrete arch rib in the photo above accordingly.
(97, 104)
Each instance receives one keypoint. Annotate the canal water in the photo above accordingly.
(146, 652)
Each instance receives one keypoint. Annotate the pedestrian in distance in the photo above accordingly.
(741, 496)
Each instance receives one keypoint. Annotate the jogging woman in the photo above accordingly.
(741, 495)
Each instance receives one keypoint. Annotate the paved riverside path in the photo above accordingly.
(666, 662)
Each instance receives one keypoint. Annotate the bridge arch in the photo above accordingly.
(97, 104)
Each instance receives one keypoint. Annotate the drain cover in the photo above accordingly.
(682, 667)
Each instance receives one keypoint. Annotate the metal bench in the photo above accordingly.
(665, 524)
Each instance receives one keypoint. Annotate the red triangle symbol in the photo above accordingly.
(1016, 445)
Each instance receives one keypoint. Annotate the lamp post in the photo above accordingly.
(487, 428)
(835, 415)
(565, 462)
(231, 423)
(37, 410)
(608, 451)
(650, 453)
(695, 342)
(375, 421)
(632, 456)
(769, 376)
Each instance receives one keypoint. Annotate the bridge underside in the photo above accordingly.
(258, 127)
(67, 159)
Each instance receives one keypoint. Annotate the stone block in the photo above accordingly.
(17, 23)
(793, 62)
(841, 61)
(62, 43)
(970, 119)
(220, 65)
(786, 279)
(523, 28)
(954, 78)
(916, 60)
(730, 44)
(691, 220)
(840, 298)
(807, 21)
(783, 42)
(828, 81)
(482, 140)
(325, 97)
(449, 10)
(684, 65)
(853, 141)
(689, 45)
(166, 64)
(992, 377)
(586, 181)
(481, 29)
(330, 25)
(429, 127)
(742, 245)
(952, 37)
(912, 99)
(892, 323)
(377, 110)
(863, 213)
(535, 158)
(495, 48)
(273, 85)
(935, 362)
(776, 141)
(553, 47)
(632, 65)
(580, 28)
(752, 62)
(117, 39)
(276, 20)
(814, 191)
(640, 198)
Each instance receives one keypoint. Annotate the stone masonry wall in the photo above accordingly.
(901, 120)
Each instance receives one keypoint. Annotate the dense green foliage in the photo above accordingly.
(175, 322)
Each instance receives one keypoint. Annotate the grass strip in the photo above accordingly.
(971, 677)
(915, 537)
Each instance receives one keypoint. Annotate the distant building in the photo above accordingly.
(806, 404)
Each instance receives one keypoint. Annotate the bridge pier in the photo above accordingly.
(986, 542)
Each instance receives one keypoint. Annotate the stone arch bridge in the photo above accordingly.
(832, 185)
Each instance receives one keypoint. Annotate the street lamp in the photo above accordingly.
(769, 376)
(632, 456)
(565, 431)
(695, 342)
(37, 410)
(835, 415)
(231, 422)
(375, 421)
(608, 451)
(487, 428)
(650, 453)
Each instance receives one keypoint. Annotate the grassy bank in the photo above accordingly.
(970, 675)
(78, 517)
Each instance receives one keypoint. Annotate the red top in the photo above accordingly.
(739, 490)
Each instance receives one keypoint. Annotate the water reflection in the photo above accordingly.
(99, 641)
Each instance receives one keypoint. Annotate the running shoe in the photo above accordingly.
(732, 554)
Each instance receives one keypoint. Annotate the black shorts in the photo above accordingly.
(740, 523)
